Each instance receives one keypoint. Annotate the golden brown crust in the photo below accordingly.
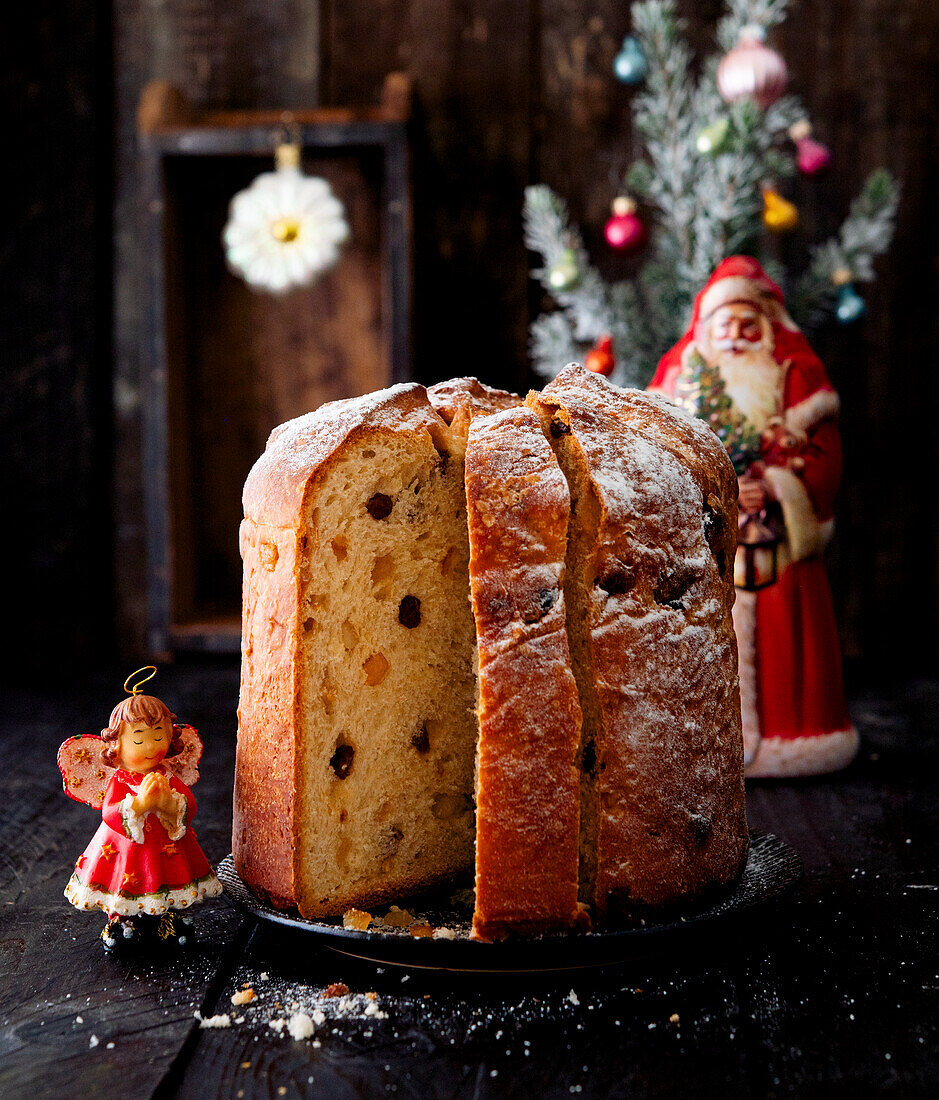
(529, 716)
(460, 400)
(298, 456)
(661, 650)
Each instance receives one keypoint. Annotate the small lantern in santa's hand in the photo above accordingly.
(756, 565)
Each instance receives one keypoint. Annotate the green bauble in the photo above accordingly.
(564, 274)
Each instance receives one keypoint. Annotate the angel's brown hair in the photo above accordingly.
(137, 708)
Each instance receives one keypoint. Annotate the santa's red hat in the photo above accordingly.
(742, 279)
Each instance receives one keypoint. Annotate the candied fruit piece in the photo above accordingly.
(376, 669)
(398, 918)
(357, 919)
(421, 931)
(336, 989)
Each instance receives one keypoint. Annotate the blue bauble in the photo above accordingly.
(851, 306)
(630, 65)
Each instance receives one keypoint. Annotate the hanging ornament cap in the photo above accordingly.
(630, 64)
(841, 275)
(752, 69)
(287, 156)
(623, 206)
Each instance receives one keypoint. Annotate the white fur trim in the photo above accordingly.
(821, 405)
(745, 629)
(737, 288)
(804, 534)
(83, 896)
(175, 823)
(781, 757)
(131, 820)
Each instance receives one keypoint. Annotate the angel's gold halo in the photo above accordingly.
(135, 689)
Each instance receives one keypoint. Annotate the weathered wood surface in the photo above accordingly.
(834, 990)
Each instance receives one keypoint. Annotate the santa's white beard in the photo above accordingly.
(753, 382)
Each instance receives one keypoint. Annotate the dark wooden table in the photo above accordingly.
(833, 991)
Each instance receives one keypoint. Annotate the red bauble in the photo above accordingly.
(600, 358)
(752, 69)
(625, 231)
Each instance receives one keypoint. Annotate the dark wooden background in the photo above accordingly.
(508, 92)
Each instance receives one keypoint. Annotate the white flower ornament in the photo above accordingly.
(285, 229)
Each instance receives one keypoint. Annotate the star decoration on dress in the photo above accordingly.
(130, 879)
(108, 851)
(83, 755)
(168, 850)
(75, 781)
(148, 825)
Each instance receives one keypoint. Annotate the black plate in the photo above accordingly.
(772, 868)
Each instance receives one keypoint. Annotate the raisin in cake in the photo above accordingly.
(354, 775)
(527, 800)
(649, 614)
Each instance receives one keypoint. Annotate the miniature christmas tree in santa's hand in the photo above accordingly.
(716, 148)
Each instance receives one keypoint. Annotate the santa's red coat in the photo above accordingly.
(790, 659)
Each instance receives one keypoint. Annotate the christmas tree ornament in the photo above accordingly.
(714, 138)
(779, 215)
(811, 155)
(849, 306)
(564, 274)
(143, 865)
(752, 69)
(630, 64)
(285, 229)
(693, 203)
(625, 231)
(600, 357)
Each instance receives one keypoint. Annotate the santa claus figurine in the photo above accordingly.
(744, 366)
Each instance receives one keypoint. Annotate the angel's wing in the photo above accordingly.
(185, 764)
(85, 772)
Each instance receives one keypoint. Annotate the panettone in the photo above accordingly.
(576, 728)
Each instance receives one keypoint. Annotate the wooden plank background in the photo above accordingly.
(508, 92)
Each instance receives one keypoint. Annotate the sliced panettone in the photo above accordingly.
(527, 784)
(356, 742)
(649, 601)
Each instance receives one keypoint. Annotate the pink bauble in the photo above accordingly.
(752, 69)
(811, 156)
(625, 232)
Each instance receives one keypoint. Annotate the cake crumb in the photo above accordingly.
(222, 1019)
(277, 1025)
(356, 919)
(372, 1009)
(673, 1019)
(319, 1016)
(371, 996)
(263, 976)
(573, 998)
(336, 989)
(421, 931)
(300, 1026)
(398, 918)
(246, 1065)
(444, 934)
(244, 997)
(93, 1042)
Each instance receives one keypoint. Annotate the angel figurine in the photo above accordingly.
(144, 863)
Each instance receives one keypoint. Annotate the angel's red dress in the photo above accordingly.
(142, 863)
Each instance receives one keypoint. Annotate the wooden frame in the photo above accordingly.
(171, 135)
